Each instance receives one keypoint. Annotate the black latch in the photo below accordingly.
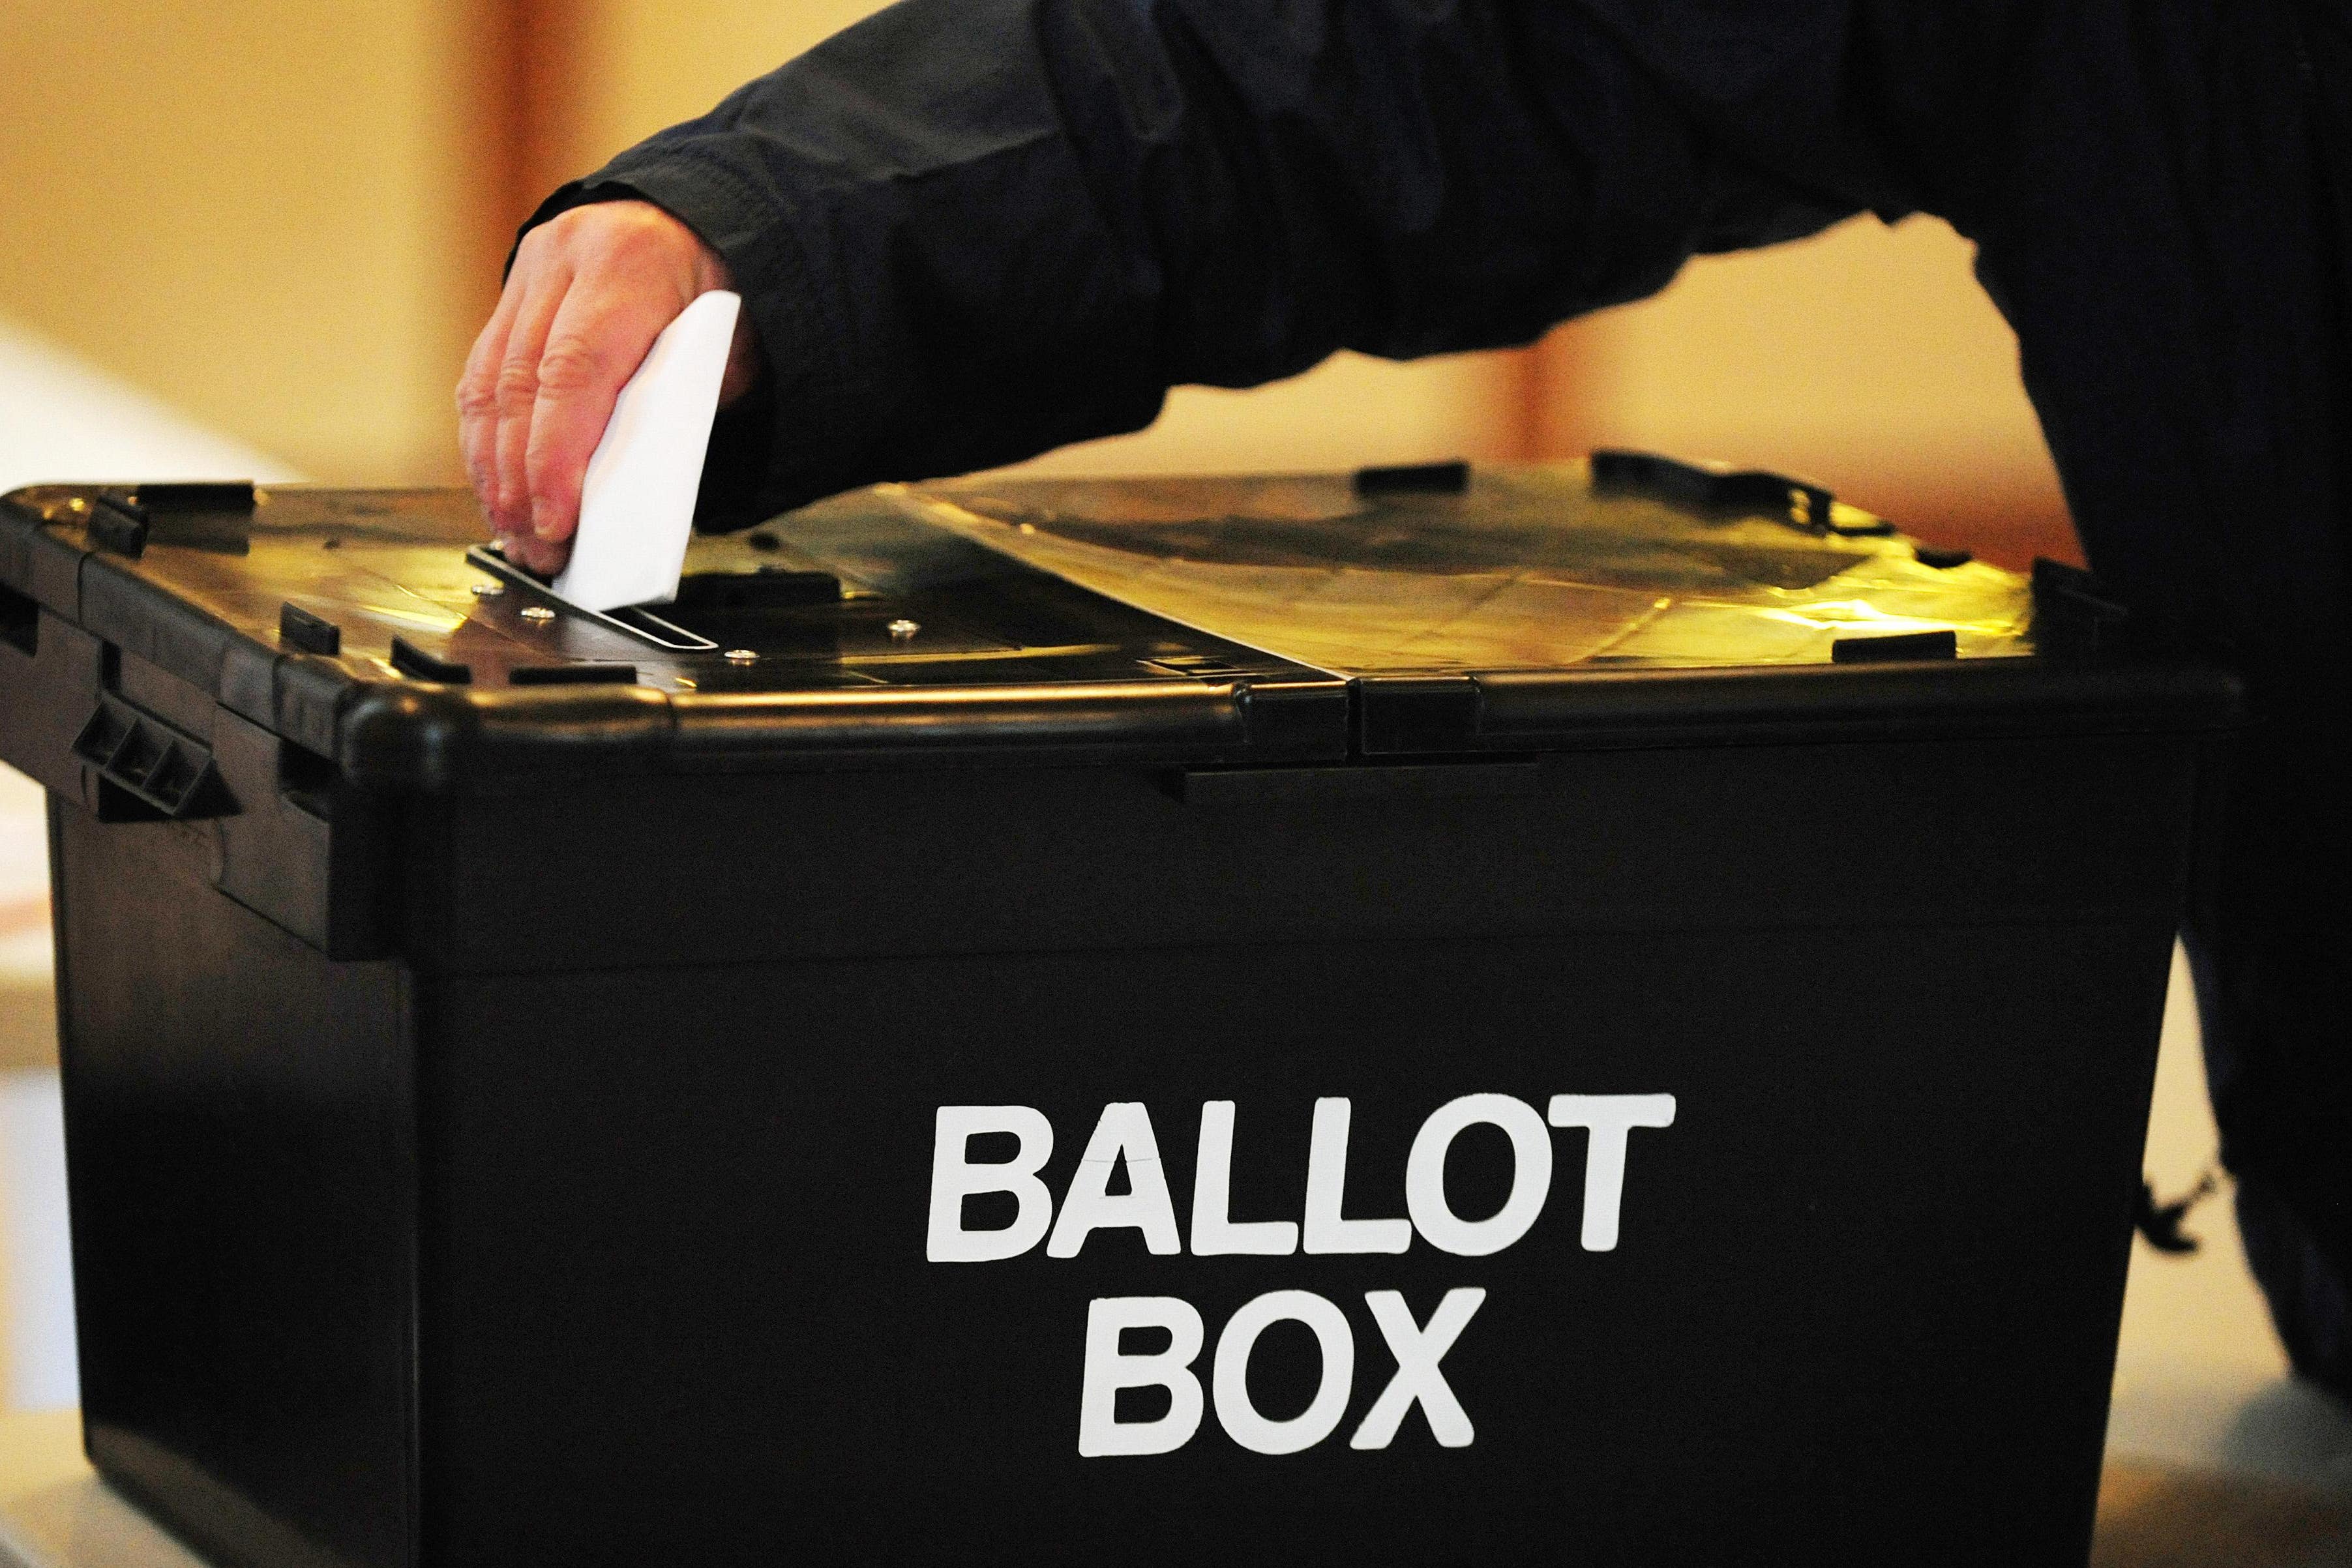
(147, 760)
(415, 662)
(1422, 715)
(1414, 479)
(197, 496)
(1710, 487)
(1899, 648)
(119, 523)
(298, 628)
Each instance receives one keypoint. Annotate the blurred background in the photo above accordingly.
(255, 236)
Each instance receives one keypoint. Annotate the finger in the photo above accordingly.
(477, 396)
(518, 394)
(540, 556)
(594, 345)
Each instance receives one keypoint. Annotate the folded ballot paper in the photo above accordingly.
(636, 507)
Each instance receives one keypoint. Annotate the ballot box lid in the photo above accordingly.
(1435, 613)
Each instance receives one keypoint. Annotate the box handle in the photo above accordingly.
(169, 774)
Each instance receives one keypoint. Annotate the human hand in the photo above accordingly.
(590, 290)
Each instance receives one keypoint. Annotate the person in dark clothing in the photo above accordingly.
(968, 231)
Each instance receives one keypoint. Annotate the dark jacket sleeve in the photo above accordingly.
(973, 230)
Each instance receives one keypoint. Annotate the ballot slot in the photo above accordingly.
(783, 614)
(636, 620)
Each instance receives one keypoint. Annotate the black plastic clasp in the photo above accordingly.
(197, 496)
(1415, 479)
(298, 628)
(1900, 648)
(1717, 487)
(137, 755)
(119, 523)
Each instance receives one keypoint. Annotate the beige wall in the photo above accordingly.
(262, 210)
(651, 63)
(1866, 356)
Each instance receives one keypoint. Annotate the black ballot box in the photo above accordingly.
(1597, 1013)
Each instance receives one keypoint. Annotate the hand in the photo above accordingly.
(590, 290)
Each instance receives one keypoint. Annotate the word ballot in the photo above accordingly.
(1124, 1138)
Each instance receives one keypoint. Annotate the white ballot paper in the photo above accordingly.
(636, 507)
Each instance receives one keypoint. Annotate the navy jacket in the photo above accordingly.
(971, 230)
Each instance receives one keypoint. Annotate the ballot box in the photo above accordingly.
(1601, 1012)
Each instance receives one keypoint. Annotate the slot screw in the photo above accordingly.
(904, 630)
(489, 589)
(743, 657)
(538, 612)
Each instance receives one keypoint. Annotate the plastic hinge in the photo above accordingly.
(150, 761)
(1302, 718)
(1418, 713)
